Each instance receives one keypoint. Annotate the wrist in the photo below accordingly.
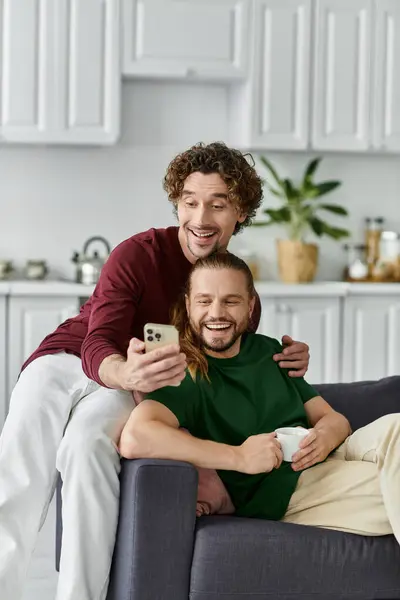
(111, 371)
(237, 459)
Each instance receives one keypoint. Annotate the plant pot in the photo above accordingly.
(297, 262)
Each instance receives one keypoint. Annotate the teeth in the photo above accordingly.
(218, 326)
(203, 234)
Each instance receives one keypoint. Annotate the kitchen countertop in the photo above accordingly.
(24, 287)
(264, 288)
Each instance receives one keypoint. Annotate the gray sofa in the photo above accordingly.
(163, 553)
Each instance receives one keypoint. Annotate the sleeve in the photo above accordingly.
(305, 390)
(182, 401)
(256, 316)
(114, 304)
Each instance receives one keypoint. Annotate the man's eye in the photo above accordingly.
(189, 203)
(203, 302)
(218, 206)
(232, 302)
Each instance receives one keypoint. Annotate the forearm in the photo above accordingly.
(335, 428)
(110, 371)
(155, 439)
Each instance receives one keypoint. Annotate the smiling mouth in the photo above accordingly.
(217, 326)
(202, 235)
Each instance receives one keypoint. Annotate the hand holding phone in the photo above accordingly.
(162, 365)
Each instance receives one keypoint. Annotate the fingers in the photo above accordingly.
(160, 354)
(310, 460)
(311, 437)
(299, 373)
(167, 364)
(287, 340)
(136, 346)
(293, 364)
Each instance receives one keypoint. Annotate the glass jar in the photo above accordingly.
(373, 234)
(356, 264)
(36, 269)
(387, 267)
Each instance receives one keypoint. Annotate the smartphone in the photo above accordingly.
(156, 336)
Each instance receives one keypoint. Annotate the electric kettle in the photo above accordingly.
(88, 268)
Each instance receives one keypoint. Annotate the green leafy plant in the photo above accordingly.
(301, 205)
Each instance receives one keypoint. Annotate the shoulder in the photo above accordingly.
(139, 250)
(263, 343)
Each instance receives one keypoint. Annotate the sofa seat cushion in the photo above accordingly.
(249, 559)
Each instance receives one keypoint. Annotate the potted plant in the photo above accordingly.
(299, 214)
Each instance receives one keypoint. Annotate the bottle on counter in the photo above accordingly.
(373, 232)
(387, 267)
(356, 265)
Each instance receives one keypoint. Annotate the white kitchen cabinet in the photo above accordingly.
(386, 114)
(272, 109)
(315, 321)
(60, 71)
(371, 339)
(200, 39)
(342, 79)
(3, 360)
(30, 319)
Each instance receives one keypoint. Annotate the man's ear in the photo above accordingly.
(187, 304)
(252, 305)
(241, 217)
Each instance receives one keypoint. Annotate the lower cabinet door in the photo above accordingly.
(30, 319)
(3, 360)
(371, 341)
(315, 321)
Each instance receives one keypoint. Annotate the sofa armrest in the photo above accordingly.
(155, 538)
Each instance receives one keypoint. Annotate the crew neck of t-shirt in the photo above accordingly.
(233, 360)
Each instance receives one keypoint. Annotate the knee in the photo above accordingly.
(82, 448)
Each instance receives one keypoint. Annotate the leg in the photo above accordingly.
(39, 410)
(341, 495)
(89, 464)
(379, 443)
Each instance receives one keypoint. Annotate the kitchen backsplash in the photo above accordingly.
(53, 199)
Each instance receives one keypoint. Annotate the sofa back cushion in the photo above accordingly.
(363, 401)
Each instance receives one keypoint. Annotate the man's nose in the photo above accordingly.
(215, 311)
(201, 215)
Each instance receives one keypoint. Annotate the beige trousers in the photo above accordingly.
(357, 489)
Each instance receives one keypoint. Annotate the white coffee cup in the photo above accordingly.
(290, 438)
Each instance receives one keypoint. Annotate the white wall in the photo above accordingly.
(53, 198)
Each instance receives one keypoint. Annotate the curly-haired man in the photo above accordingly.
(74, 394)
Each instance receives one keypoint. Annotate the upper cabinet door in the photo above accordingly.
(89, 79)
(342, 75)
(387, 76)
(281, 77)
(60, 71)
(203, 39)
(27, 70)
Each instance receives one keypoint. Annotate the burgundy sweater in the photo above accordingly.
(139, 283)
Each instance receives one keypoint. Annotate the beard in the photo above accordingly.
(219, 344)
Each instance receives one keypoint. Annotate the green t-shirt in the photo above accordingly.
(247, 394)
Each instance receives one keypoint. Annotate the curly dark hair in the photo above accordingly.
(244, 185)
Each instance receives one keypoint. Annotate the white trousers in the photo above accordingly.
(358, 488)
(59, 420)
